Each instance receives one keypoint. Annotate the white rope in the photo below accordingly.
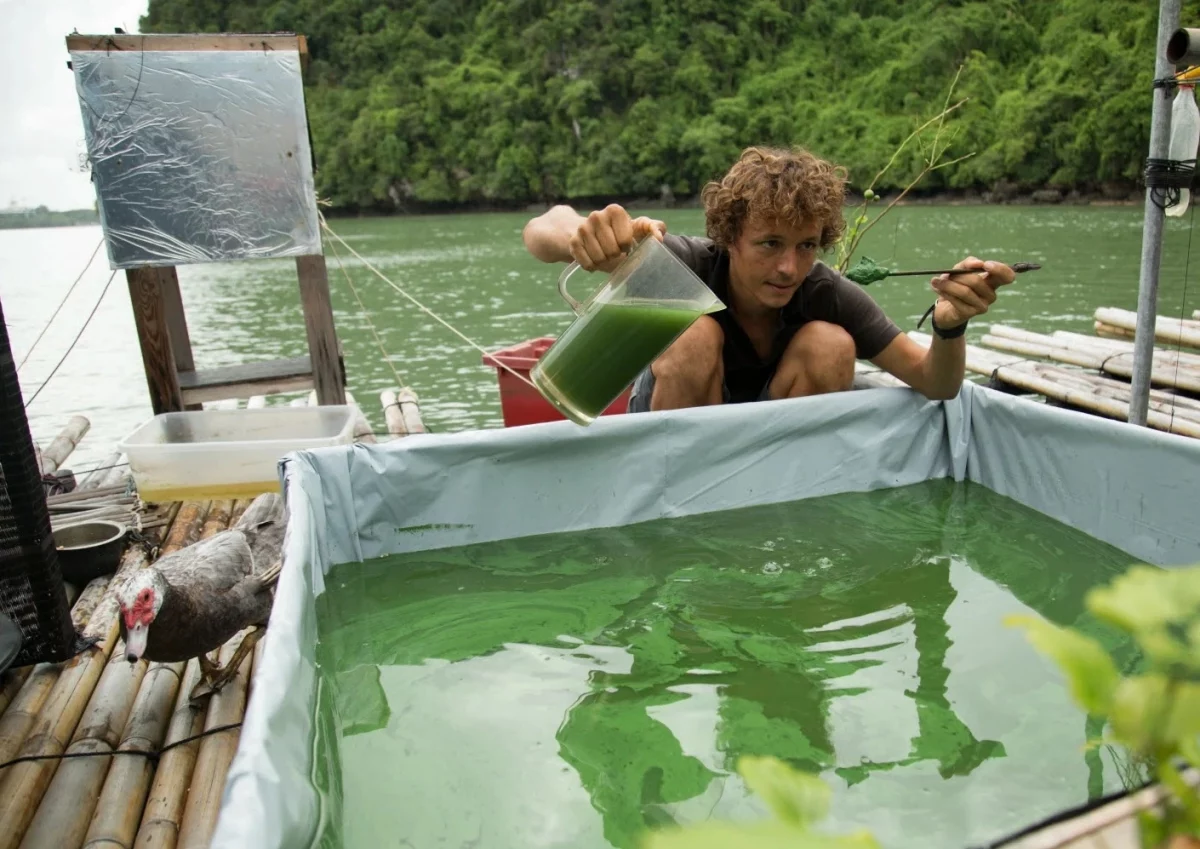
(86, 322)
(60, 305)
(325, 226)
(387, 358)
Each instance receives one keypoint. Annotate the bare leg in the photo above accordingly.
(819, 359)
(690, 373)
(219, 676)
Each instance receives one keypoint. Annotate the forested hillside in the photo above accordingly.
(419, 102)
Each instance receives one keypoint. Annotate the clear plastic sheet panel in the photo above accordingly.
(198, 156)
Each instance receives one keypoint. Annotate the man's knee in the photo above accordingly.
(696, 354)
(828, 353)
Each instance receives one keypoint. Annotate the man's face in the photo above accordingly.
(770, 259)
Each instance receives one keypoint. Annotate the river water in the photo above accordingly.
(473, 271)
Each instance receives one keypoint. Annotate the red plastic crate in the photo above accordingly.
(520, 403)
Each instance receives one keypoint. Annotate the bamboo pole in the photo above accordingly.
(1166, 329)
(64, 813)
(410, 408)
(63, 444)
(402, 411)
(158, 827)
(1167, 370)
(1087, 383)
(226, 707)
(391, 413)
(979, 362)
(10, 685)
(93, 479)
(362, 428)
(119, 474)
(1099, 347)
(119, 806)
(23, 711)
(23, 787)
(1107, 330)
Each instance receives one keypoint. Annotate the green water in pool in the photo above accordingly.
(575, 690)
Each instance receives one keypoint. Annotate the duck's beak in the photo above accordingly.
(135, 642)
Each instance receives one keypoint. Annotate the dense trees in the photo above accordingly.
(512, 101)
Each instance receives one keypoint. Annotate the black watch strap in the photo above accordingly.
(952, 333)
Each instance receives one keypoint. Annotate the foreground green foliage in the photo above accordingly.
(511, 101)
(1154, 715)
(797, 802)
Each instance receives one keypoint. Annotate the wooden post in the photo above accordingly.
(158, 358)
(177, 332)
(322, 336)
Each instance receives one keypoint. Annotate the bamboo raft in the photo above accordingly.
(1085, 373)
(67, 724)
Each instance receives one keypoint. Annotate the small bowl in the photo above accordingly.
(89, 549)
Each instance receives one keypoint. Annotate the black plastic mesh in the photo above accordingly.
(31, 585)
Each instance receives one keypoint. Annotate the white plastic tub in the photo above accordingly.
(227, 453)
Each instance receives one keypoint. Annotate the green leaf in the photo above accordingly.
(1147, 598)
(794, 797)
(1160, 608)
(1137, 712)
(1089, 669)
(771, 834)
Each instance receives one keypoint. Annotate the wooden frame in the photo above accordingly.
(174, 382)
(192, 41)
(171, 375)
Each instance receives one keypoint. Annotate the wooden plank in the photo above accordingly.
(242, 381)
(188, 41)
(181, 343)
(158, 359)
(328, 376)
(177, 330)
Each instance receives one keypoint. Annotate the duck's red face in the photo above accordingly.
(138, 617)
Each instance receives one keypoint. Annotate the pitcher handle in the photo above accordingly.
(562, 287)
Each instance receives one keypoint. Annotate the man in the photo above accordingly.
(793, 326)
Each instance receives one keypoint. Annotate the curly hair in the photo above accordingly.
(773, 183)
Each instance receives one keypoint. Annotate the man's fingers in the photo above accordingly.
(622, 226)
(964, 297)
(592, 246)
(649, 227)
(579, 252)
(999, 274)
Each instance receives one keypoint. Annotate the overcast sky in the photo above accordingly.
(41, 147)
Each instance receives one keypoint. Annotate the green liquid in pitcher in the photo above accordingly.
(602, 352)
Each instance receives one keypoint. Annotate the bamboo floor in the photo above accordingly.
(143, 768)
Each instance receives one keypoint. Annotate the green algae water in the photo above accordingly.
(603, 351)
(576, 690)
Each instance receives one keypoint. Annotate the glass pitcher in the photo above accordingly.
(643, 306)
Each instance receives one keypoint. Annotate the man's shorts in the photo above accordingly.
(643, 390)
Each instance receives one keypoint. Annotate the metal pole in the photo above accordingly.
(1152, 225)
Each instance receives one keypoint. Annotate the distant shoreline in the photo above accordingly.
(1041, 198)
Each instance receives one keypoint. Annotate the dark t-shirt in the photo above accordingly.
(825, 295)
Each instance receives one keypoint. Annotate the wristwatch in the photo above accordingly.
(952, 333)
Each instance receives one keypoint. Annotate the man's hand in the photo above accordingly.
(603, 238)
(964, 296)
